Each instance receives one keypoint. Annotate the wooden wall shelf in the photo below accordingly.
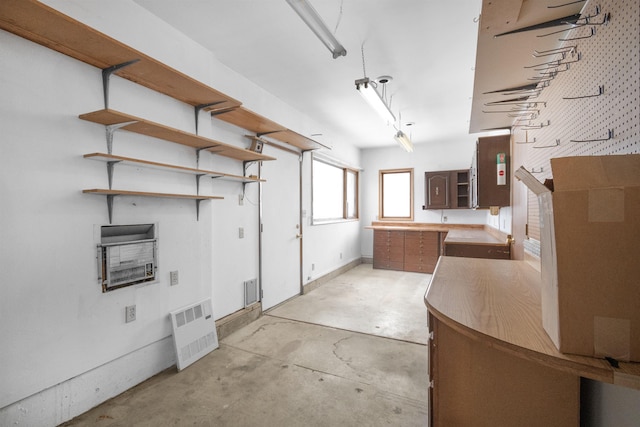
(107, 192)
(262, 126)
(111, 194)
(46, 26)
(172, 168)
(109, 117)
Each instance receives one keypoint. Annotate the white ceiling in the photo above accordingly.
(427, 46)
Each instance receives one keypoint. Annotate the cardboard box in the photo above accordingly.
(590, 267)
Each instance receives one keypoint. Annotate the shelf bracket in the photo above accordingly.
(106, 75)
(110, 166)
(198, 154)
(111, 129)
(198, 176)
(198, 108)
(110, 207)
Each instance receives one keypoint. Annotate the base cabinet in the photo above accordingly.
(421, 251)
(474, 384)
(388, 249)
(477, 251)
(415, 251)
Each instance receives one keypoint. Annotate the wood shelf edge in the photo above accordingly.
(108, 117)
(173, 168)
(107, 192)
(53, 29)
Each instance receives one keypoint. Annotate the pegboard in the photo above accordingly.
(603, 75)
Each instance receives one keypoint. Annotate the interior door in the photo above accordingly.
(281, 232)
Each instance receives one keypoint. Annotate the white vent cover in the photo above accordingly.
(194, 332)
(250, 292)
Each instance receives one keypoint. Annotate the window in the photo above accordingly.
(334, 192)
(395, 195)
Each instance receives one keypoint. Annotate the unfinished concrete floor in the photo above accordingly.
(349, 353)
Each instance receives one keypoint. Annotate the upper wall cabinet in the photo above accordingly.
(490, 173)
(447, 189)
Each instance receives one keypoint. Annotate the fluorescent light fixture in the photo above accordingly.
(371, 95)
(404, 140)
(310, 17)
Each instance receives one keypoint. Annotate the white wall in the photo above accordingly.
(327, 247)
(445, 155)
(57, 324)
(66, 346)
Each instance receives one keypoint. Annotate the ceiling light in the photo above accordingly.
(371, 95)
(404, 140)
(310, 17)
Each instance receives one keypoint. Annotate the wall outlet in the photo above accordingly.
(173, 276)
(340, 255)
(241, 232)
(313, 267)
(240, 200)
(445, 219)
(130, 313)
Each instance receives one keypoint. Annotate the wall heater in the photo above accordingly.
(194, 332)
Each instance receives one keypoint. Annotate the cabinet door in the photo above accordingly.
(489, 193)
(437, 189)
(477, 385)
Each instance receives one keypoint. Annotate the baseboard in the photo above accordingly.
(314, 284)
(77, 395)
(231, 323)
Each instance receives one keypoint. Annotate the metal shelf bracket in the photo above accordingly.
(106, 76)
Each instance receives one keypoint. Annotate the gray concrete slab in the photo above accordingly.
(298, 371)
(372, 301)
(397, 367)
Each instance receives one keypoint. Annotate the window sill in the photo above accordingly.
(333, 221)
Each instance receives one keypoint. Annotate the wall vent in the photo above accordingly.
(250, 292)
(194, 332)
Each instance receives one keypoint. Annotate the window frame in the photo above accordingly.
(346, 170)
(381, 174)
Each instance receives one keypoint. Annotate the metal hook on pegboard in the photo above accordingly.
(556, 144)
(609, 136)
(588, 36)
(600, 93)
(549, 52)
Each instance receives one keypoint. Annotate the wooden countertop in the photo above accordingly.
(422, 226)
(473, 237)
(498, 302)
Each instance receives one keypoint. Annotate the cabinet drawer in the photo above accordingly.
(426, 267)
(416, 268)
(425, 237)
(478, 251)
